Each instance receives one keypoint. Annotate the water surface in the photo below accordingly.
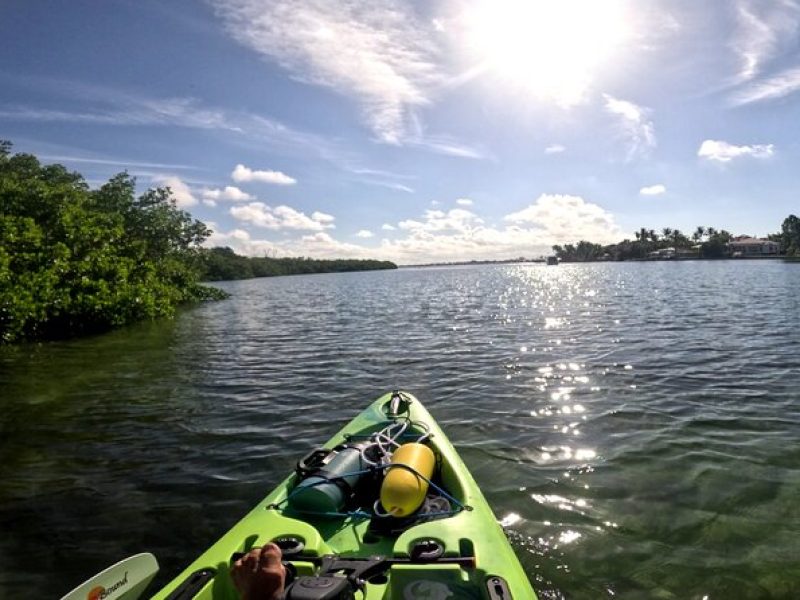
(634, 425)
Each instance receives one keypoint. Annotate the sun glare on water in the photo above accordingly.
(550, 48)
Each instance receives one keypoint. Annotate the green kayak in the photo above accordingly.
(385, 510)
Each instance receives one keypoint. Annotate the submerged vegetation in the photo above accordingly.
(223, 263)
(75, 260)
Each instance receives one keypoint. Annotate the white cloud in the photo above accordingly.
(230, 192)
(316, 245)
(323, 218)
(181, 192)
(455, 220)
(564, 218)
(365, 233)
(210, 203)
(376, 50)
(464, 202)
(554, 149)
(388, 227)
(243, 174)
(783, 84)
(637, 128)
(460, 235)
(720, 151)
(234, 234)
(764, 30)
(281, 217)
(455, 235)
(653, 190)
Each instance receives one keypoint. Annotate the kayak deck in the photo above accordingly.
(476, 560)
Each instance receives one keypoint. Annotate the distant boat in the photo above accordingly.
(552, 260)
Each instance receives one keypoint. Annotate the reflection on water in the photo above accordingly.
(634, 426)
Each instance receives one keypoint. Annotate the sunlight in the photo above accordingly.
(550, 48)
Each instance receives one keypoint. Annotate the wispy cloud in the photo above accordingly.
(554, 149)
(112, 110)
(653, 190)
(720, 151)
(378, 173)
(114, 162)
(375, 50)
(447, 146)
(389, 185)
(766, 34)
(244, 174)
(777, 86)
(764, 30)
(114, 107)
(464, 202)
(636, 126)
(365, 233)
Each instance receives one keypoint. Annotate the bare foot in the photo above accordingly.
(259, 574)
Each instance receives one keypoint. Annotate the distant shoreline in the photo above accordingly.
(577, 262)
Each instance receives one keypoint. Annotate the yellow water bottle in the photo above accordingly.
(403, 490)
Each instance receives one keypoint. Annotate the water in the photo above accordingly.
(634, 425)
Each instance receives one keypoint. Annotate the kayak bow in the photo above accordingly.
(340, 542)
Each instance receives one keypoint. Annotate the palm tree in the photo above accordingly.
(699, 233)
(666, 232)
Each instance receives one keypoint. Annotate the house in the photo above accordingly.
(750, 246)
(662, 254)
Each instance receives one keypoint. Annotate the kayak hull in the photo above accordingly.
(473, 532)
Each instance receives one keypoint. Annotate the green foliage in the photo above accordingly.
(716, 246)
(790, 235)
(75, 260)
(648, 243)
(224, 264)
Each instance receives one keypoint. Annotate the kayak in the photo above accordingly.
(385, 510)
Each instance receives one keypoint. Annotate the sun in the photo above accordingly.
(550, 48)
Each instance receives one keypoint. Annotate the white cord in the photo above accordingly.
(386, 441)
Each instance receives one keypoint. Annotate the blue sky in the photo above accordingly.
(419, 131)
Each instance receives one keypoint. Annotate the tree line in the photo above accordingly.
(219, 264)
(75, 260)
(704, 242)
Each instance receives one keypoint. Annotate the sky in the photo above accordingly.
(422, 131)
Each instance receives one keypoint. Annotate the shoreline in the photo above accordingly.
(575, 262)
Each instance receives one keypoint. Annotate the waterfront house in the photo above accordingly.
(749, 246)
(662, 254)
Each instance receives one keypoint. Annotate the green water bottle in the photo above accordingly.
(327, 490)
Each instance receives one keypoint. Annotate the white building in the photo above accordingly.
(749, 246)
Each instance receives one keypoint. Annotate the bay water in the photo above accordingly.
(635, 426)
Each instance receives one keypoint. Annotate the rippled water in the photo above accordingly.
(634, 425)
